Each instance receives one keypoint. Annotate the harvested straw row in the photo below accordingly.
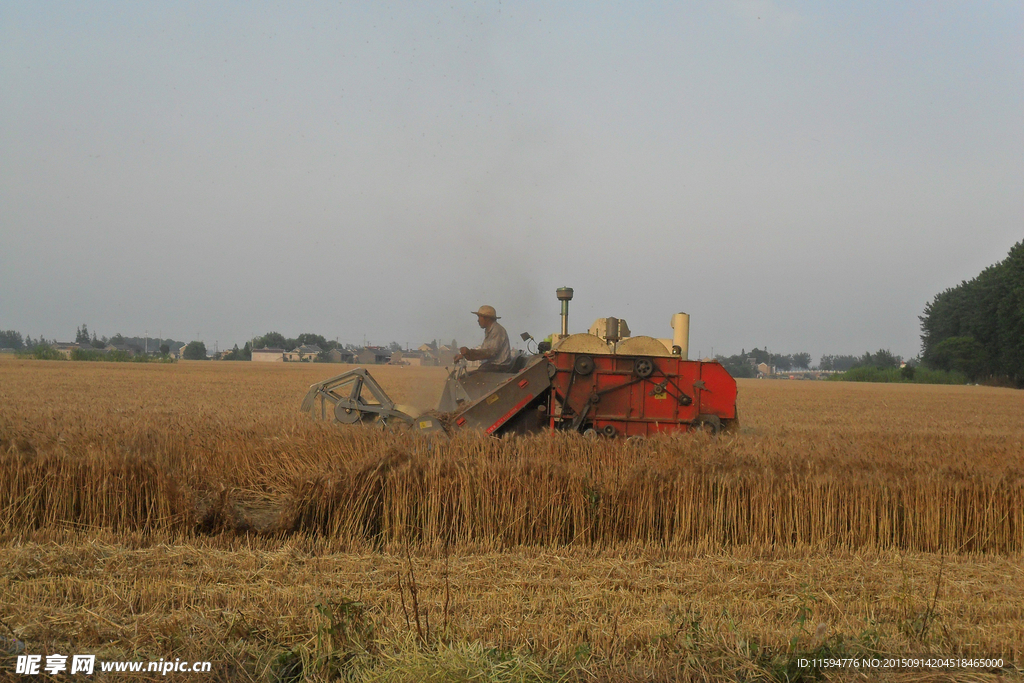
(120, 492)
(357, 484)
(486, 496)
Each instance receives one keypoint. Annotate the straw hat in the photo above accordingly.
(487, 312)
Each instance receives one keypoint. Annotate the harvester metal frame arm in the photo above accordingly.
(352, 401)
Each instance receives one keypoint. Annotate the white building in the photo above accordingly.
(268, 355)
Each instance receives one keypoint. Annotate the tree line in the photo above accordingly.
(12, 339)
(194, 350)
(276, 340)
(977, 327)
(745, 364)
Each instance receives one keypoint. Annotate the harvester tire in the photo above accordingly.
(709, 423)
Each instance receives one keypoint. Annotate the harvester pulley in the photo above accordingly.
(584, 365)
(347, 415)
(643, 367)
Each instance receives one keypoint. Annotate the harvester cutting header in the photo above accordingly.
(603, 382)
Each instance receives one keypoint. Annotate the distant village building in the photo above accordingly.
(90, 347)
(306, 353)
(373, 355)
(417, 357)
(268, 355)
(438, 355)
(340, 356)
(65, 348)
(446, 355)
(124, 348)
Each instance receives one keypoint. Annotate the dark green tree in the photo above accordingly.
(272, 340)
(195, 350)
(737, 366)
(963, 354)
(838, 363)
(82, 335)
(882, 359)
(311, 339)
(988, 309)
(759, 356)
(236, 353)
(9, 339)
(165, 349)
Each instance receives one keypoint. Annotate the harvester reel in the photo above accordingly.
(355, 397)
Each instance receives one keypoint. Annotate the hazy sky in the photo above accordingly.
(801, 175)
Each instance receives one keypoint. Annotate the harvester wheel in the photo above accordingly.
(584, 365)
(643, 367)
(590, 434)
(608, 430)
(708, 423)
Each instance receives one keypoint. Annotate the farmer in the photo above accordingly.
(495, 351)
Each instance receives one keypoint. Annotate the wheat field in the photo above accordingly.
(192, 510)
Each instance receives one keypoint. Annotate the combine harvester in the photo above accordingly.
(601, 383)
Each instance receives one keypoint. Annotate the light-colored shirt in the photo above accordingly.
(495, 350)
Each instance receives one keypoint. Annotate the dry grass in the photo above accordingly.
(242, 603)
(189, 511)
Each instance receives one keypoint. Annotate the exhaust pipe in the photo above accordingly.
(611, 332)
(681, 335)
(564, 295)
